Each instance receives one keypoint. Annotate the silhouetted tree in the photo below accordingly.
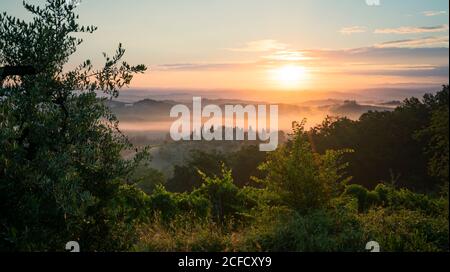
(61, 168)
(387, 146)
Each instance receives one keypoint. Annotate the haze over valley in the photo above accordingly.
(146, 113)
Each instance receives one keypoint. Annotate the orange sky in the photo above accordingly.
(267, 44)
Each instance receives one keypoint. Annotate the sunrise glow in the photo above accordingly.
(290, 76)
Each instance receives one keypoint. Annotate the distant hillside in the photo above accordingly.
(384, 93)
(353, 109)
(143, 110)
(148, 109)
(149, 116)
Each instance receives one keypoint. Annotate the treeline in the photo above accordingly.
(408, 146)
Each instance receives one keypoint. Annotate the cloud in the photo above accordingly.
(426, 42)
(260, 46)
(405, 71)
(199, 66)
(287, 55)
(412, 30)
(353, 30)
(430, 13)
(367, 57)
(381, 61)
(425, 57)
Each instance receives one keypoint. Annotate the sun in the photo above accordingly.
(290, 76)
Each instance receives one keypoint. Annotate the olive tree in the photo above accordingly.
(61, 170)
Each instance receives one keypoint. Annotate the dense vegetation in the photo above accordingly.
(305, 201)
(408, 146)
(63, 176)
(61, 169)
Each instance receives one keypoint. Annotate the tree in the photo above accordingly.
(245, 164)
(436, 134)
(61, 169)
(408, 146)
(304, 180)
(186, 178)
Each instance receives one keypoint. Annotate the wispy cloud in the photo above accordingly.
(287, 55)
(260, 46)
(352, 30)
(200, 66)
(275, 50)
(405, 71)
(423, 58)
(381, 61)
(431, 13)
(412, 30)
(426, 42)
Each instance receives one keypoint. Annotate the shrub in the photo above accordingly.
(405, 230)
(302, 179)
(184, 234)
(366, 199)
(283, 230)
(164, 203)
(217, 197)
(222, 194)
(147, 179)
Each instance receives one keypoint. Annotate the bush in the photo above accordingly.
(185, 233)
(366, 199)
(302, 179)
(222, 194)
(405, 199)
(281, 230)
(147, 179)
(405, 230)
(218, 198)
(388, 196)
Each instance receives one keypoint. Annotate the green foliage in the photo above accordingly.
(164, 202)
(436, 133)
(186, 178)
(222, 193)
(304, 180)
(366, 199)
(389, 197)
(168, 205)
(183, 234)
(244, 163)
(406, 199)
(195, 204)
(61, 169)
(320, 230)
(304, 202)
(389, 146)
(305, 205)
(217, 198)
(404, 230)
(147, 178)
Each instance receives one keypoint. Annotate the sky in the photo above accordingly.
(285, 45)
